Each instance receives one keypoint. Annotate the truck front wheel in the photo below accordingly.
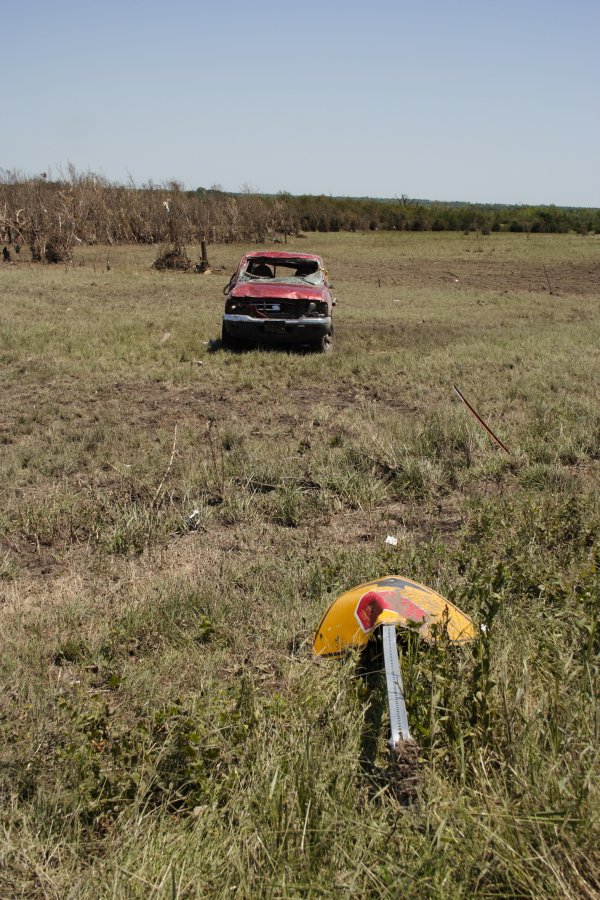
(228, 342)
(324, 344)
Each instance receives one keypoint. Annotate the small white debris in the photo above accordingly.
(483, 628)
(192, 520)
(390, 539)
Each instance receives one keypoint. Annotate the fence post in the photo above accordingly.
(204, 265)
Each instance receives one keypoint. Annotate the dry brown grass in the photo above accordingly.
(166, 728)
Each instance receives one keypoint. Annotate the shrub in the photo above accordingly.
(173, 258)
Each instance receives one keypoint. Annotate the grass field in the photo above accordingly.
(166, 731)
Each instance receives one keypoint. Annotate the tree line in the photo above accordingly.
(322, 213)
(51, 216)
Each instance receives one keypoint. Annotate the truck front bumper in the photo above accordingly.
(280, 331)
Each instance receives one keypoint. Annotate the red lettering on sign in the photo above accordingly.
(372, 604)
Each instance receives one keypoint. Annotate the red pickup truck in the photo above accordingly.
(275, 297)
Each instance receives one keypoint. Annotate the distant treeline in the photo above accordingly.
(52, 216)
(354, 214)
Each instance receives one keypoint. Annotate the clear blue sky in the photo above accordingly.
(478, 101)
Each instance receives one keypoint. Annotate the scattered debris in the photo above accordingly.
(256, 486)
(394, 282)
(457, 278)
(192, 520)
(173, 258)
(479, 419)
(159, 488)
(390, 539)
(166, 336)
(548, 280)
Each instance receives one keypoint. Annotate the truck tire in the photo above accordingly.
(324, 344)
(228, 342)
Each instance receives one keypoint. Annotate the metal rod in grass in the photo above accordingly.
(462, 397)
(168, 469)
(548, 280)
(389, 273)
(218, 470)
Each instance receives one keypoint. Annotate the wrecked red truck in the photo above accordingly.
(275, 297)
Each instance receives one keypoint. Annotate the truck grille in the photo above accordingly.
(279, 309)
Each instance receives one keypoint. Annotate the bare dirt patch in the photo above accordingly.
(164, 405)
(481, 272)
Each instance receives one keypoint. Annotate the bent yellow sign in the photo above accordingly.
(392, 600)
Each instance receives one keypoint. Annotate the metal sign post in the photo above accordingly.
(395, 690)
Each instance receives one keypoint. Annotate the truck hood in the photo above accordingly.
(279, 291)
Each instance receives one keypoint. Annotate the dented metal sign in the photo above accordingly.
(392, 600)
(383, 606)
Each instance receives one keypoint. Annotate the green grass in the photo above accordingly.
(166, 731)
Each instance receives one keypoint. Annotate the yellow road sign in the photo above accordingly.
(392, 600)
